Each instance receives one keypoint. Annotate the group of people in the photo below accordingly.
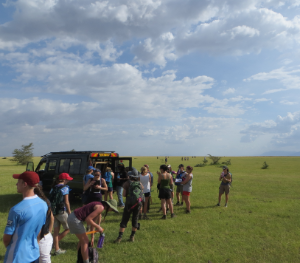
(28, 233)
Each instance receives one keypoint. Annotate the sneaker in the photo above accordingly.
(225, 205)
(177, 203)
(59, 252)
(145, 217)
(164, 217)
(172, 215)
(218, 204)
(181, 204)
(118, 240)
(131, 239)
(188, 211)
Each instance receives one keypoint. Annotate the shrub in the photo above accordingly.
(200, 165)
(228, 162)
(4, 158)
(265, 166)
(215, 159)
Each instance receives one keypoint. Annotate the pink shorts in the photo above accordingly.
(186, 193)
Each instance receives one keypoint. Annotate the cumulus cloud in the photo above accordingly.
(289, 77)
(229, 91)
(285, 131)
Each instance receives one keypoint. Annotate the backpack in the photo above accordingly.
(107, 177)
(179, 176)
(56, 199)
(93, 255)
(135, 194)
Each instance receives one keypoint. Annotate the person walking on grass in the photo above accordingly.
(24, 222)
(145, 180)
(179, 188)
(90, 214)
(225, 178)
(133, 191)
(151, 184)
(187, 188)
(45, 238)
(109, 177)
(165, 179)
(59, 198)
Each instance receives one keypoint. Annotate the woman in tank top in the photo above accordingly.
(88, 213)
(165, 180)
(187, 188)
(145, 180)
(94, 186)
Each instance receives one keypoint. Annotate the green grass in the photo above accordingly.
(261, 223)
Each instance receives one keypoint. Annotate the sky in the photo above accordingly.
(151, 77)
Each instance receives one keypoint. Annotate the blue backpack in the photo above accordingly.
(107, 177)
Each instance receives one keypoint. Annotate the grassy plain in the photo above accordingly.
(261, 223)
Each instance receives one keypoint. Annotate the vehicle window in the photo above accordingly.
(64, 165)
(41, 166)
(52, 166)
(75, 166)
(124, 163)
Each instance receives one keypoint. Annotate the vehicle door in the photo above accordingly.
(47, 173)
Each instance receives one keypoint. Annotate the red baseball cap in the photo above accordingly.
(31, 178)
(65, 176)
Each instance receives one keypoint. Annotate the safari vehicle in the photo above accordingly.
(75, 163)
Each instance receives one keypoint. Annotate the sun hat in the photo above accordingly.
(91, 168)
(31, 178)
(133, 173)
(169, 165)
(112, 203)
(65, 176)
(225, 167)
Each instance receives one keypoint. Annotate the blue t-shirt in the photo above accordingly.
(24, 223)
(87, 177)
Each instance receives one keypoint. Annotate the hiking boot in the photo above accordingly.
(118, 240)
(59, 252)
(181, 204)
(218, 204)
(178, 204)
(131, 239)
(160, 209)
(188, 211)
(140, 216)
(145, 217)
(172, 215)
(164, 217)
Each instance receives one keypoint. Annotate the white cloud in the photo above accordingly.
(229, 91)
(286, 102)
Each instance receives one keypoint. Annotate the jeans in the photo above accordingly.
(120, 196)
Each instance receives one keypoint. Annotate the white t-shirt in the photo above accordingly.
(144, 179)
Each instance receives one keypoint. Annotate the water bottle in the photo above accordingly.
(101, 240)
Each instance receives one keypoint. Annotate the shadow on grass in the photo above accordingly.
(8, 201)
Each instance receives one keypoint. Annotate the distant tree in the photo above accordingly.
(214, 159)
(23, 155)
(73, 150)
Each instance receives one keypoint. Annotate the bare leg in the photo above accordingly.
(163, 207)
(111, 195)
(169, 202)
(105, 196)
(84, 243)
(220, 197)
(226, 198)
(63, 234)
(55, 238)
(146, 205)
(178, 197)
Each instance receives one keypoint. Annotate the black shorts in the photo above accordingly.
(147, 194)
(164, 193)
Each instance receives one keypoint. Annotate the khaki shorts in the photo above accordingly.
(61, 219)
(224, 188)
(179, 189)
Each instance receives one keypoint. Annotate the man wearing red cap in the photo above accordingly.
(24, 222)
